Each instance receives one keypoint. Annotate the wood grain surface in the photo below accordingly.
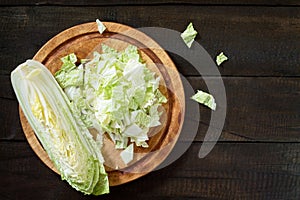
(153, 2)
(231, 171)
(261, 41)
(257, 154)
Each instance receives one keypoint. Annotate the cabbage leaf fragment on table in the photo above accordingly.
(221, 58)
(205, 99)
(101, 27)
(189, 35)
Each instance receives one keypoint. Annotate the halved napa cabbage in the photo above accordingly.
(64, 137)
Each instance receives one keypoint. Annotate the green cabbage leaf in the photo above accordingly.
(205, 99)
(189, 35)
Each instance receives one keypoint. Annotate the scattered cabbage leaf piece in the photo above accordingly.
(221, 58)
(205, 99)
(68, 143)
(101, 27)
(189, 35)
(127, 154)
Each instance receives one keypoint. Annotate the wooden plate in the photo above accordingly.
(83, 40)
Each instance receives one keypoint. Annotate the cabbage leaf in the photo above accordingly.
(221, 58)
(189, 35)
(101, 27)
(205, 99)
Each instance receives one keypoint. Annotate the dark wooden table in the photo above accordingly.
(257, 155)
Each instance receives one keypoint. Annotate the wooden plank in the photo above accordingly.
(154, 2)
(6, 90)
(259, 109)
(10, 128)
(260, 41)
(230, 171)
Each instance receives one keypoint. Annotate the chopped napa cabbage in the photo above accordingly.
(189, 35)
(205, 99)
(117, 95)
(75, 77)
(69, 145)
(101, 27)
(72, 78)
(221, 58)
(127, 154)
(68, 62)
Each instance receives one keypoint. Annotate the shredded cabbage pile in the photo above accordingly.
(114, 93)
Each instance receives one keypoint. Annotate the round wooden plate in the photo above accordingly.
(83, 40)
